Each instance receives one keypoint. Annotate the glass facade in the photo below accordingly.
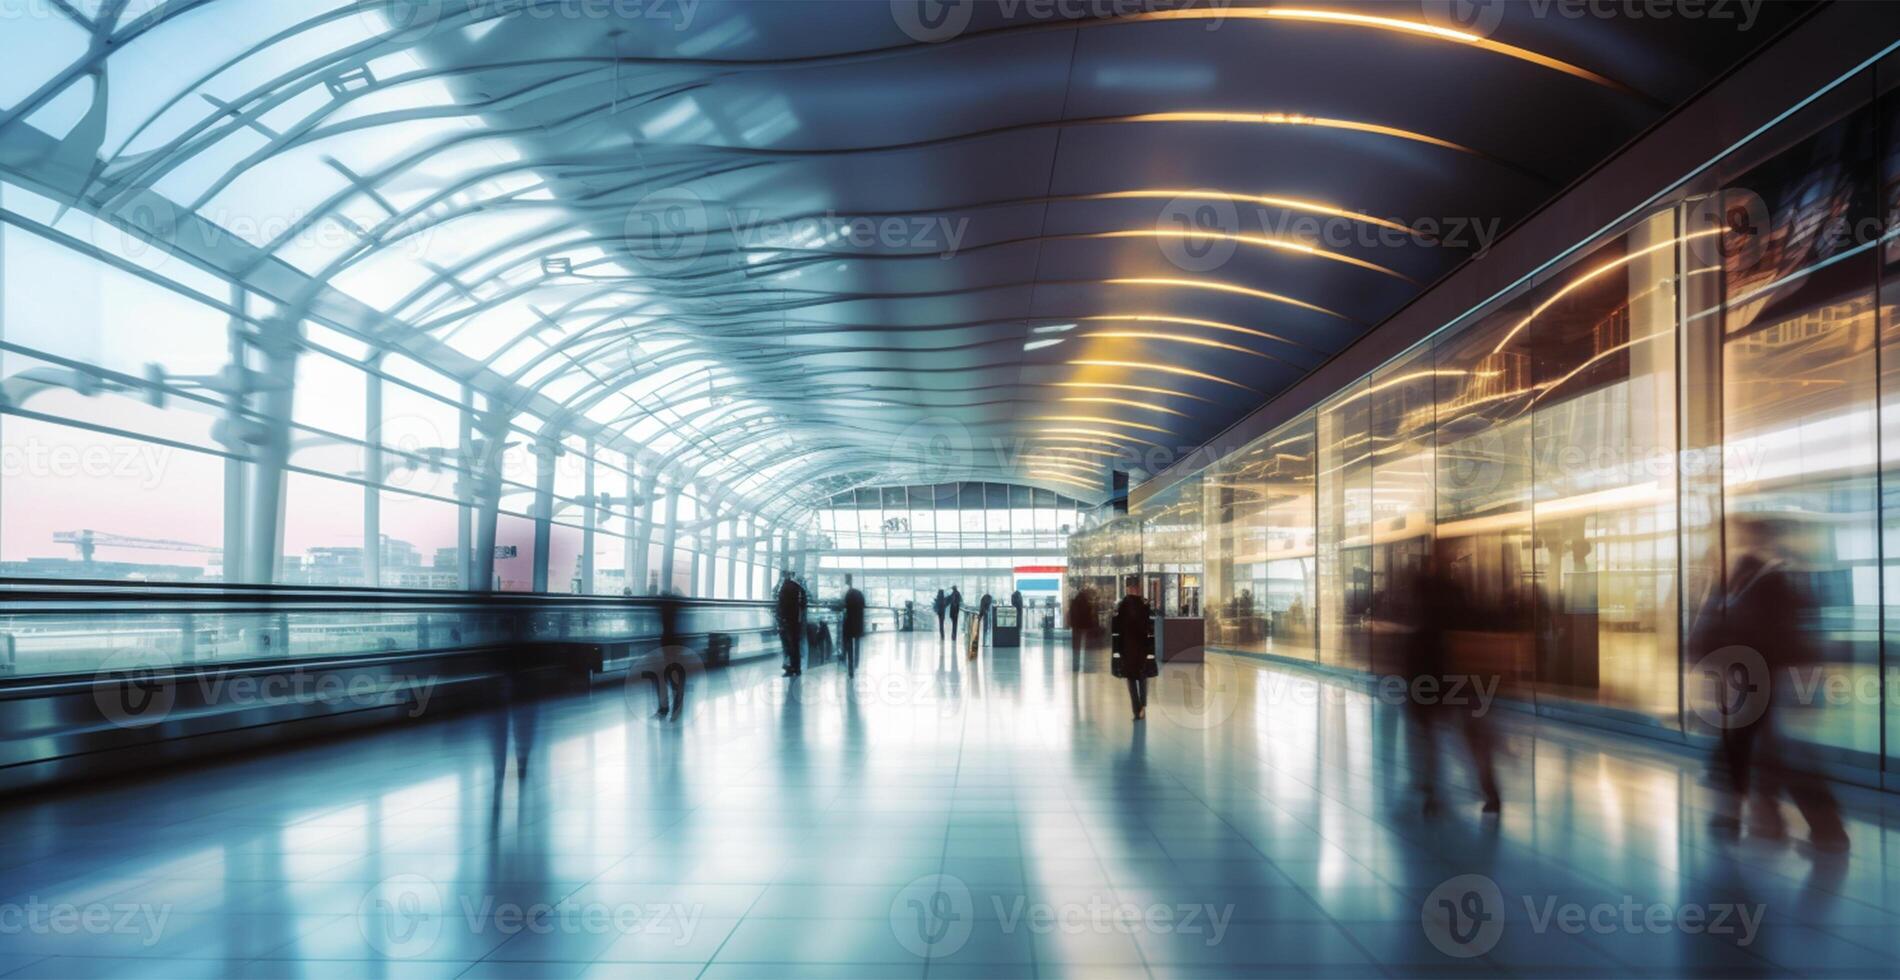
(1589, 454)
(138, 453)
(902, 544)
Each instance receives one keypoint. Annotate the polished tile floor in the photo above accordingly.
(937, 818)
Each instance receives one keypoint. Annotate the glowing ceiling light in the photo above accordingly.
(1079, 469)
(1040, 344)
(1127, 402)
(1223, 287)
(1080, 450)
(1173, 339)
(1102, 420)
(1399, 25)
(1192, 322)
(1257, 241)
(1163, 368)
(1112, 438)
(1264, 200)
(1144, 389)
(1064, 479)
(1295, 119)
(1053, 328)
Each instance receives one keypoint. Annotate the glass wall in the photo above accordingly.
(138, 417)
(1601, 454)
(904, 543)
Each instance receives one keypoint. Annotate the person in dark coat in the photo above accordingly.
(851, 628)
(791, 623)
(1081, 621)
(983, 606)
(1132, 638)
(956, 610)
(1016, 600)
(941, 603)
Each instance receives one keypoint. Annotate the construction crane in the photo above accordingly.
(88, 539)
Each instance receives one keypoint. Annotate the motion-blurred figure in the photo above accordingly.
(669, 668)
(1081, 622)
(791, 623)
(517, 712)
(983, 607)
(940, 603)
(1753, 627)
(1132, 640)
(955, 605)
(851, 627)
(1016, 600)
(1446, 682)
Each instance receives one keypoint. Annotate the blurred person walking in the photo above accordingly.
(1132, 645)
(851, 627)
(1751, 633)
(791, 623)
(956, 611)
(940, 603)
(1081, 622)
(669, 664)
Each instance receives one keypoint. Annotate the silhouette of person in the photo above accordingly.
(851, 628)
(1016, 600)
(1081, 622)
(1436, 606)
(983, 606)
(516, 711)
(940, 603)
(1132, 640)
(1758, 616)
(668, 664)
(791, 623)
(956, 611)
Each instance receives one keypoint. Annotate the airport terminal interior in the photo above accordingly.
(949, 488)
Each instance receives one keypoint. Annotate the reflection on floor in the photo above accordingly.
(941, 818)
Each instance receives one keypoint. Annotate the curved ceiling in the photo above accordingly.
(798, 247)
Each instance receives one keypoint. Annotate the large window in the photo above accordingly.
(905, 543)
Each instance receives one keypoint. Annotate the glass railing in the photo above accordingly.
(52, 629)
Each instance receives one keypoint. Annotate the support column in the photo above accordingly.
(277, 342)
(546, 452)
(464, 493)
(635, 580)
(732, 559)
(486, 456)
(373, 460)
(641, 566)
(589, 509)
(666, 546)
